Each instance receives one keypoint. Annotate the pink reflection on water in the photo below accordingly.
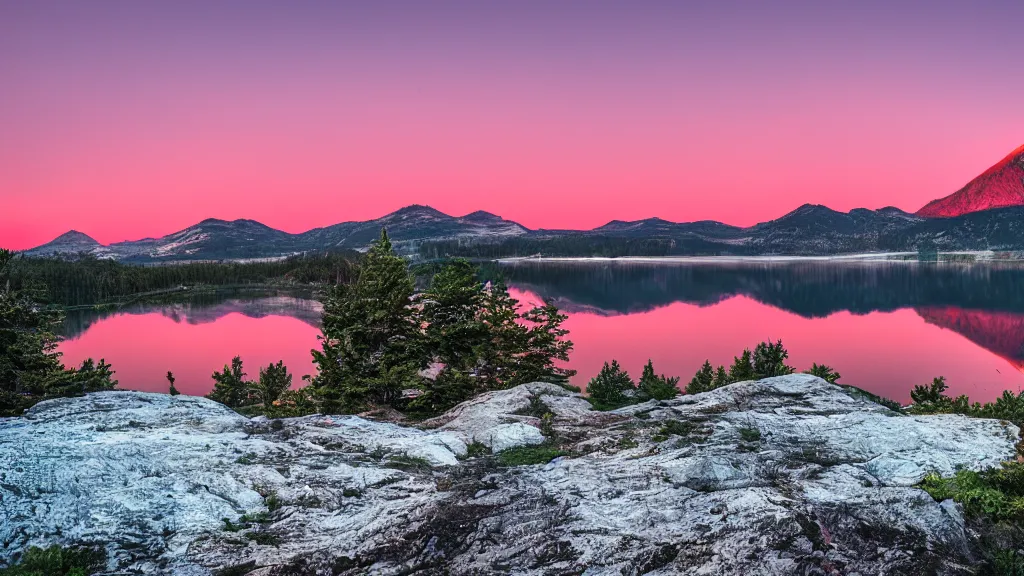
(143, 347)
(883, 352)
(886, 353)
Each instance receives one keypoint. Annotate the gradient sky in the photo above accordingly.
(127, 119)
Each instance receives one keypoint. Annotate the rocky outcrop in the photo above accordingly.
(781, 476)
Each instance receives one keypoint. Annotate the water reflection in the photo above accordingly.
(811, 290)
(207, 307)
(885, 327)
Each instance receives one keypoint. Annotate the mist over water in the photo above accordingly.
(884, 327)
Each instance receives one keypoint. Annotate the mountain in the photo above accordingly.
(810, 230)
(214, 239)
(71, 242)
(413, 223)
(1000, 186)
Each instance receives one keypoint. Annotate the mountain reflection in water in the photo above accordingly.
(874, 321)
(884, 326)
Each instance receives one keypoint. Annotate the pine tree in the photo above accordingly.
(770, 360)
(274, 380)
(230, 387)
(545, 347)
(372, 343)
(824, 372)
(450, 387)
(504, 342)
(30, 365)
(721, 378)
(742, 367)
(611, 388)
(703, 380)
(170, 380)
(451, 308)
(657, 387)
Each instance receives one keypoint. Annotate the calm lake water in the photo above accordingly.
(884, 327)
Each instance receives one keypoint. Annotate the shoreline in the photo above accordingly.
(958, 257)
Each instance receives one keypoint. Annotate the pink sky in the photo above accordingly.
(124, 120)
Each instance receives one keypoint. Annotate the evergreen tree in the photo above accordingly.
(450, 387)
(657, 387)
(274, 380)
(770, 360)
(230, 387)
(824, 372)
(545, 347)
(170, 380)
(372, 338)
(703, 380)
(934, 393)
(721, 378)
(451, 308)
(30, 366)
(504, 342)
(611, 388)
(742, 368)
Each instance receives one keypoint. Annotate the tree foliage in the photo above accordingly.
(273, 381)
(379, 335)
(612, 387)
(824, 372)
(30, 365)
(372, 343)
(658, 387)
(230, 387)
(703, 380)
(770, 360)
(86, 280)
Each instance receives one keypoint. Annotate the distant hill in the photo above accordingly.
(71, 242)
(1000, 186)
(987, 214)
(214, 239)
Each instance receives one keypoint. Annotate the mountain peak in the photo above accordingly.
(418, 210)
(74, 237)
(1000, 186)
(481, 216)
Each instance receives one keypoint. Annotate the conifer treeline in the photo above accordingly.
(87, 280)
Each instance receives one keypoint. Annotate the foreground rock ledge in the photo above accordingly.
(782, 476)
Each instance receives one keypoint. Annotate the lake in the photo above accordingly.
(883, 326)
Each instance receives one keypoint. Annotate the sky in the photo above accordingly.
(126, 119)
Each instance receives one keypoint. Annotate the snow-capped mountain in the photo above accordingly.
(987, 214)
(1000, 186)
(214, 239)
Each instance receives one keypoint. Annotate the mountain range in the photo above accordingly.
(986, 214)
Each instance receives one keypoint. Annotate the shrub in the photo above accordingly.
(657, 387)
(770, 360)
(824, 372)
(611, 388)
(750, 434)
(997, 493)
(57, 561)
(529, 455)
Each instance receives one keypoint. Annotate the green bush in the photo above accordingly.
(611, 388)
(57, 561)
(657, 387)
(997, 493)
(529, 455)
